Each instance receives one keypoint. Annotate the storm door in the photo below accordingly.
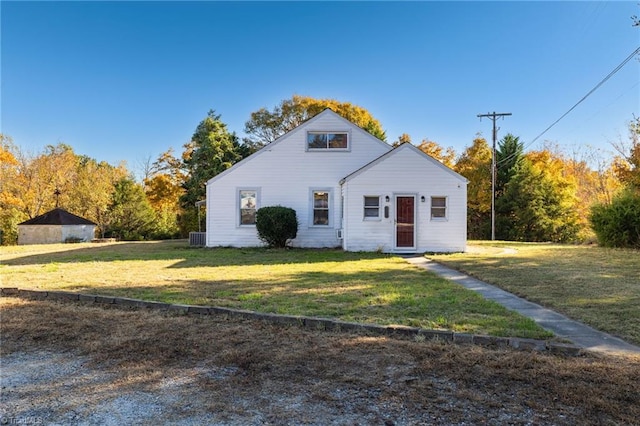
(405, 222)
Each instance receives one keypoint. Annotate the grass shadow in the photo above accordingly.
(178, 251)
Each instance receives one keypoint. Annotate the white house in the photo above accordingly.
(348, 188)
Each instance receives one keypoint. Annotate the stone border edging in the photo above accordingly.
(314, 323)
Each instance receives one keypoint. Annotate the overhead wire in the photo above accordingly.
(604, 80)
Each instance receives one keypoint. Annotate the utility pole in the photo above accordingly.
(493, 116)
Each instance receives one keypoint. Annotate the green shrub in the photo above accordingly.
(276, 225)
(618, 224)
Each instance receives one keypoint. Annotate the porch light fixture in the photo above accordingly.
(386, 198)
(422, 199)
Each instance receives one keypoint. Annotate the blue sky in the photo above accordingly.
(128, 80)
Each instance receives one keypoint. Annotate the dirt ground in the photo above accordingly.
(68, 363)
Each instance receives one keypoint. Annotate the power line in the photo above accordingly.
(604, 80)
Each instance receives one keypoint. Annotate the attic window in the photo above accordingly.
(327, 140)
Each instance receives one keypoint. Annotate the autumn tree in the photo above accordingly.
(446, 156)
(164, 187)
(475, 165)
(212, 150)
(10, 203)
(29, 183)
(266, 126)
(403, 138)
(596, 176)
(85, 186)
(595, 181)
(93, 188)
(617, 224)
(627, 162)
(41, 175)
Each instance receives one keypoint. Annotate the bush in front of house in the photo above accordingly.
(618, 224)
(276, 225)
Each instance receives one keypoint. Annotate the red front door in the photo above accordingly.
(405, 223)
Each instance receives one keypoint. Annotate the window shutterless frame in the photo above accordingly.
(322, 141)
(321, 207)
(438, 208)
(371, 207)
(248, 203)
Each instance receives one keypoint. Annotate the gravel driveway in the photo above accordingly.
(70, 364)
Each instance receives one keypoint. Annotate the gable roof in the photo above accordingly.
(394, 151)
(266, 148)
(57, 216)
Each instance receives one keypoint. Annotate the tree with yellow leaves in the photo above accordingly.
(10, 204)
(164, 187)
(446, 156)
(266, 126)
(475, 165)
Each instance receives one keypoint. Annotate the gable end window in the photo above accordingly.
(438, 207)
(327, 141)
(371, 207)
(248, 200)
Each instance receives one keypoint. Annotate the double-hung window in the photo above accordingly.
(248, 200)
(321, 200)
(438, 207)
(327, 141)
(371, 207)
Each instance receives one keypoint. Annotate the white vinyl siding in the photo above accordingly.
(428, 178)
(286, 173)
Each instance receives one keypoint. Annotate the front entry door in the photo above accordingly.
(405, 221)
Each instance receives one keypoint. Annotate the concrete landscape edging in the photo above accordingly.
(313, 323)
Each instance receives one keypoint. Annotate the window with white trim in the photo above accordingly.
(327, 140)
(248, 200)
(438, 207)
(321, 208)
(371, 207)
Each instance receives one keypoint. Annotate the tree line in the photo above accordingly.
(543, 195)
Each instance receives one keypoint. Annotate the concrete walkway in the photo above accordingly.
(578, 333)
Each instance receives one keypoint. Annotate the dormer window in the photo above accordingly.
(327, 141)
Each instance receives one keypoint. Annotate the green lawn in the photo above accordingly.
(598, 286)
(364, 287)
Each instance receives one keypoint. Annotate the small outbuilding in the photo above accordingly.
(56, 226)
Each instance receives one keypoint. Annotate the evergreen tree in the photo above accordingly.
(537, 205)
(212, 150)
(130, 215)
(508, 157)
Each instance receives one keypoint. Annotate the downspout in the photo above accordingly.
(342, 221)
